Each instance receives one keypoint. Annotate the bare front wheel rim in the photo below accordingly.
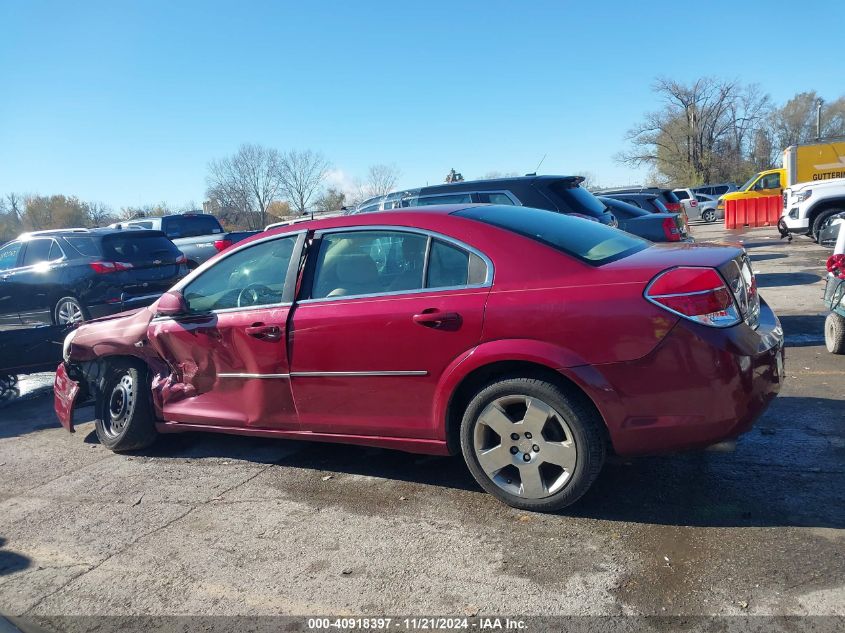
(121, 406)
(525, 446)
(69, 312)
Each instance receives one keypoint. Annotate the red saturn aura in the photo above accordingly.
(528, 341)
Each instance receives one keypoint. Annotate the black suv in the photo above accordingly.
(556, 193)
(71, 275)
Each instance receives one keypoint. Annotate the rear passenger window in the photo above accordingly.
(495, 198)
(37, 251)
(369, 262)
(447, 266)
(56, 252)
(454, 198)
(450, 266)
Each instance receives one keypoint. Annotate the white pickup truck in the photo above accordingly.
(809, 206)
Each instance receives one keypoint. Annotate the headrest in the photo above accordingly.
(356, 269)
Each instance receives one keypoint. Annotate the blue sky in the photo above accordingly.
(126, 102)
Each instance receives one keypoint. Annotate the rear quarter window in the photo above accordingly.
(591, 242)
(88, 246)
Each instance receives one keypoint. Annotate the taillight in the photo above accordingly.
(695, 293)
(674, 207)
(102, 268)
(693, 202)
(181, 260)
(836, 265)
(670, 229)
(222, 245)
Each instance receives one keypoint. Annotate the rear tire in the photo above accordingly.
(834, 333)
(709, 216)
(69, 310)
(125, 420)
(532, 444)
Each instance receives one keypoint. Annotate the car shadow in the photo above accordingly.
(10, 562)
(787, 471)
(766, 257)
(769, 280)
(803, 330)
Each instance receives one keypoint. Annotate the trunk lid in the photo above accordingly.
(730, 260)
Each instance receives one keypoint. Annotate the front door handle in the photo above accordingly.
(435, 319)
(264, 332)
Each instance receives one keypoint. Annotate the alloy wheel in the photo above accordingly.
(525, 446)
(69, 311)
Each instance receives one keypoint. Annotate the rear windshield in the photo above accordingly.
(670, 197)
(589, 241)
(575, 199)
(681, 195)
(190, 226)
(139, 246)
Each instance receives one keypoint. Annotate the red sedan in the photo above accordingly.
(529, 341)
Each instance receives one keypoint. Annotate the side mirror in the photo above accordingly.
(171, 304)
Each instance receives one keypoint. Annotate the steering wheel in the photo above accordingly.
(252, 295)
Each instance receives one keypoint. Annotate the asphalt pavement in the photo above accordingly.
(215, 525)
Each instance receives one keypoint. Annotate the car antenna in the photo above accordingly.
(536, 169)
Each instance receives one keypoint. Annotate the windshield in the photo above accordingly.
(749, 183)
(589, 241)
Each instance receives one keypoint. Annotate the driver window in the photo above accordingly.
(254, 276)
(770, 181)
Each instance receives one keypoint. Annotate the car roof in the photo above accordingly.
(404, 216)
(493, 183)
(630, 194)
(80, 232)
(656, 190)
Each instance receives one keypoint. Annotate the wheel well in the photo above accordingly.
(486, 374)
(823, 206)
(97, 371)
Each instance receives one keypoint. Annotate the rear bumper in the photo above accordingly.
(700, 386)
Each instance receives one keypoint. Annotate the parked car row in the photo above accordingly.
(198, 235)
(645, 215)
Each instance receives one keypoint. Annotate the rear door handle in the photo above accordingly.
(264, 332)
(434, 318)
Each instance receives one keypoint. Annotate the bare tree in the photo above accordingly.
(704, 130)
(14, 206)
(301, 173)
(99, 214)
(331, 199)
(248, 181)
(381, 179)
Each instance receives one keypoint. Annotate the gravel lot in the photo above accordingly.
(208, 525)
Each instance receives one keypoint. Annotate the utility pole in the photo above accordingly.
(819, 103)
